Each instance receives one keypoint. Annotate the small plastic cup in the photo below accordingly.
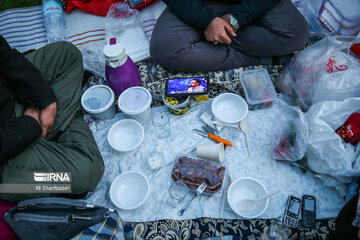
(177, 191)
(213, 152)
(161, 123)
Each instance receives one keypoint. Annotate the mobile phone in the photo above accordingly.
(292, 212)
(186, 86)
(308, 211)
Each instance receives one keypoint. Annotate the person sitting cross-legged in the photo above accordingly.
(41, 128)
(200, 35)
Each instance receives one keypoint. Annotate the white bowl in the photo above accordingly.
(125, 135)
(229, 108)
(99, 102)
(247, 188)
(135, 103)
(129, 190)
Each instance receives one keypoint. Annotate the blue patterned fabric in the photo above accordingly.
(111, 229)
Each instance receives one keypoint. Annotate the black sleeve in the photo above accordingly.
(248, 11)
(16, 134)
(25, 80)
(193, 12)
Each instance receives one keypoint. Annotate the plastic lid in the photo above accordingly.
(134, 100)
(97, 99)
(114, 50)
(257, 86)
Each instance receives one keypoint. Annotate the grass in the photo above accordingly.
(8, 4)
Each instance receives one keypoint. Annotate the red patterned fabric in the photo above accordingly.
(5, 231)
(97, 7)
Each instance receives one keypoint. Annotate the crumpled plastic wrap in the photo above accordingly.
(321, 72)
(327, 153)
(290, 138)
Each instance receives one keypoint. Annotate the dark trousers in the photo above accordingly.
(178, 46)
(70, 147)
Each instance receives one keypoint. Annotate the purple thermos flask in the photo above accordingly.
(120, 71)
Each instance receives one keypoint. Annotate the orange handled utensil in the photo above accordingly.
(219, 139)
(213, 137)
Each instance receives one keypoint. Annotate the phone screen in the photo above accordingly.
(309, 205)
(294, 207)
(186, 86)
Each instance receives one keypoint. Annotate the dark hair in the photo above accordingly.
(197, 80)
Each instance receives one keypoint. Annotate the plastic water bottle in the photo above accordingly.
(120, 71)
(54, 20)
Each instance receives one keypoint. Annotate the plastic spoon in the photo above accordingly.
(237, 126)
(247, 205)
(245, 128)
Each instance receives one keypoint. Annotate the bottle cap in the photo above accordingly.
(114, 51)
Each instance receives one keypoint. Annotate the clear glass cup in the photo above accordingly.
(161, 123)
(177, 191)
(276, 231)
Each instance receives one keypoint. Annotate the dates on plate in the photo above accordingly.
(193, 172)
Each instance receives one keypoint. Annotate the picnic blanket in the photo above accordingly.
(23, 28)
(272, 174)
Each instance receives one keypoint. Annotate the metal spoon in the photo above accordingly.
(247, 205)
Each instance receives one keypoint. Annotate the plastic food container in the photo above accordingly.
(135, 103)
(125, 135)
(247, 188)
(193, 172)
(129, 190)
(176, 106)
(258, 88)
(229, 108)
(99, 102)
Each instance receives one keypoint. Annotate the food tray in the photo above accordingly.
(193, 172)
(258, 88)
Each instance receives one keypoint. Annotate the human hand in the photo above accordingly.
(219, 31)
(47, 119)
(226, 18)
(33, 112)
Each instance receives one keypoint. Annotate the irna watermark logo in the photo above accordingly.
(52, 177)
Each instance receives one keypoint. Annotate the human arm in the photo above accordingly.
(27, 84)
(16, 134)
(248, 11)
(193, 12)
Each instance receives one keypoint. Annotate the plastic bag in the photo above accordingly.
(323, 71)
(310, 9)
(327, 153)
(93, 57)
(330, 17)
(124, 23)
(290, 137)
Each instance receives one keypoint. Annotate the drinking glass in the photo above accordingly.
(276, 231)
(177, 191)
(161, 124)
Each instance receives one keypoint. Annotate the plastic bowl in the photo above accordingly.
(135, 103)
(99, 102)
(247, 188)
(129, 190)
(229, 108)
(125, 135)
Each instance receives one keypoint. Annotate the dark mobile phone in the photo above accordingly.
(186, 86)
(308, 211)
(292, 212)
